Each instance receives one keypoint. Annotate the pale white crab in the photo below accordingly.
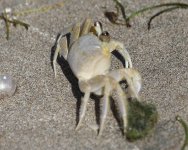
(89, 56)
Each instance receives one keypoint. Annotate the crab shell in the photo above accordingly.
(88, 57)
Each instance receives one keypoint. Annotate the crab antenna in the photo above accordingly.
(98, 28)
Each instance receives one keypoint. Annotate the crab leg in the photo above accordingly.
(123, 105)
(87, 87)
(93, 85)
(105, 107)
(122, 102)
(83, 108)
(55, 59)
(75, 33)
(115, 45)
(58, 50)
(86, 26)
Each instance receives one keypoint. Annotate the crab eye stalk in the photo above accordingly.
(98, 24)
(105, 36)
(98, 28)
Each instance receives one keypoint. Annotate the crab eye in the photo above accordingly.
(105, 33)
(105, 36)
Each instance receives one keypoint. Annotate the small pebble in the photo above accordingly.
(7, 86)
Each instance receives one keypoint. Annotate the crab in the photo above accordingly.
(89, 55)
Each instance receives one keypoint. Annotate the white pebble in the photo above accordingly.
(8, 10)
(7, 86)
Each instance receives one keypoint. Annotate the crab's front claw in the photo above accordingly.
(116, 45)
(134, 82)
(132, 77)
(128, 61)
(135, 79)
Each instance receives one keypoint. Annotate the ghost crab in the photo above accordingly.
(89, 56)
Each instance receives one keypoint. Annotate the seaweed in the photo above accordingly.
(9, 18)
(142, 118)
(170, 7)
(184, 125)
(8, 21)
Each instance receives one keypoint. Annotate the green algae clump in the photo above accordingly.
(142, 118)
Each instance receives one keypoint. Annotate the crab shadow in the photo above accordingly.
(78, 94)
(70, 77)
